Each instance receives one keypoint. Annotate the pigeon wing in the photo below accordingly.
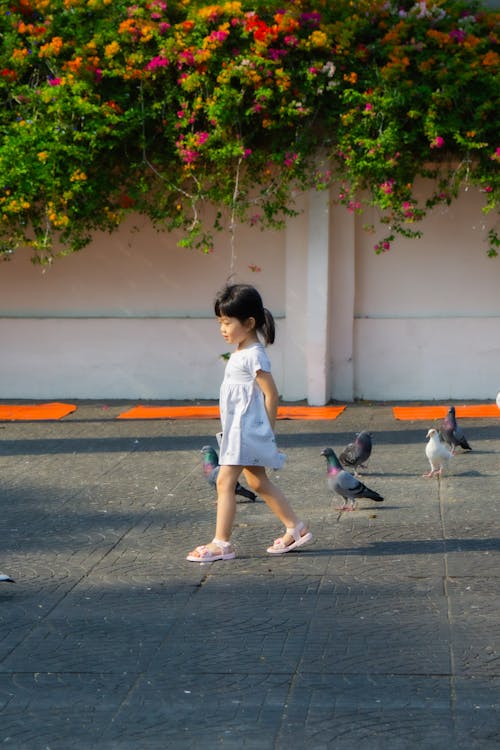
(349, 456)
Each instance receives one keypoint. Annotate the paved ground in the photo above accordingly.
(384, 634)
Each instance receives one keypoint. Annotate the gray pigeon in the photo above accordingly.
(452, 434)
(437, 453)
(4, 578)
(345, 484)
(358, 452)
(211, 471)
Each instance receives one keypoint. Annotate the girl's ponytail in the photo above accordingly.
(268, 327)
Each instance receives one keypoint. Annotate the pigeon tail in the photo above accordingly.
(244, 492)
(372, 495)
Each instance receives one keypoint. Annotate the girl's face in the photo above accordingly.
(236, 332)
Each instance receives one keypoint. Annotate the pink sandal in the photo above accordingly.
(206, 555)
(279, 547)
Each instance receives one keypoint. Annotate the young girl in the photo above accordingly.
(248, 406)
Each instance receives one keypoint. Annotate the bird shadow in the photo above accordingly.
(378, 508)
(383, 474)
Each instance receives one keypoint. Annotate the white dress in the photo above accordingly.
(247, 436)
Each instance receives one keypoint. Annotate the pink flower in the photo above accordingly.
(353, 206)
(368, 107)
(458, 35)
(382, 247)
(54, 81)
(290, 159)
(408, 210)
(438, 142)
(188, 155)
(387, 187)
(157, 62)
(496, 155)
(219, 35)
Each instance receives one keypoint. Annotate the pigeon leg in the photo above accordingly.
(429, 474)
(348, 506)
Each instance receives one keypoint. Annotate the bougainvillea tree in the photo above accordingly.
(163, 108)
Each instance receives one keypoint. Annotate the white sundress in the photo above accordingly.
(247, 436)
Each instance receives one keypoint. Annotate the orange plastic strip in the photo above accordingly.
(439, 412)
(309, 412)
(212, 412)
(34, 412)
(171, 412)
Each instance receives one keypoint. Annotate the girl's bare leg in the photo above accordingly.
(274, 498)
(226, 501)
(226, 505)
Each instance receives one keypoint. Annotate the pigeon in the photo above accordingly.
(345, 484)
(211, 471)
(4, 578)
(453, 434)
(357, 453)
(437, 452)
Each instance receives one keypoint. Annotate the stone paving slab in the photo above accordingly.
(384, 633)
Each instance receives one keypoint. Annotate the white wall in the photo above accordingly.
(131, 316)
(427, 313)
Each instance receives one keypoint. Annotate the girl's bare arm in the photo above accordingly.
(267, 385)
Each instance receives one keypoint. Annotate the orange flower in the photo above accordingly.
(51, 48)
(351, 77)
(491, 60)
(73, 65)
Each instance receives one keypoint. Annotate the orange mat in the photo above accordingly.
(33, 412)
(309, 412)
(439, 412)
(171, 412)
(212, 412)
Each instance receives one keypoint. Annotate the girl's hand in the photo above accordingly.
(266, 383)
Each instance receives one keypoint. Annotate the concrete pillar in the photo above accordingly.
(317, 285)
(294, 355)
(342, 303)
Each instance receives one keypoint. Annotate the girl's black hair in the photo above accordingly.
(243, 301)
